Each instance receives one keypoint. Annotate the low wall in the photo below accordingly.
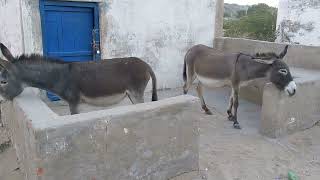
(156, 140)
(298, 55)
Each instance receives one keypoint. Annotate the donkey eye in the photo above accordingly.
(3, 82)
(283, 71)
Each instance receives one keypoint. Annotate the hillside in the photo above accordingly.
(253, 22)
(231, 10)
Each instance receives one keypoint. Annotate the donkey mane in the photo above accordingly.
(266, 55)
(26, 58)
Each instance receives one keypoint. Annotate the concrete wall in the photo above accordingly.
(299, 22)
(298, 55)
(159, 32)
(20, 26)
(157, 140)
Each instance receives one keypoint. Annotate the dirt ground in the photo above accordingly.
(226, 153)
(9, 168)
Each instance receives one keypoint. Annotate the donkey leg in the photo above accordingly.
(74, 108)
(203, 103)
(186, 87)
(229, 110)
(236, 124)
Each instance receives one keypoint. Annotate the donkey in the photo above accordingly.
(214, 68)
(99, 83)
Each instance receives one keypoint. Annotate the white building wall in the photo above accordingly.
(10, 25)
(299, 22)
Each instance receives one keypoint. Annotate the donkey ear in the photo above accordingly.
(269, 62)
(6, 53)
(284, 52)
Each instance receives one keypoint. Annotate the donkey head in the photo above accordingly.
(10, 85)
(280, 74)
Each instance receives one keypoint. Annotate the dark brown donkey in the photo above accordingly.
(214, 68)
(98, 83)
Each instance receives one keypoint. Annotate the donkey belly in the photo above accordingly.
(103, 100)
(212, 82)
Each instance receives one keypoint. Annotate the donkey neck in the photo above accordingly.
(44, 75)
(256, 70)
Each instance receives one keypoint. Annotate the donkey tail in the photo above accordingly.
(154, 85)
(184, 71)
(186, 57)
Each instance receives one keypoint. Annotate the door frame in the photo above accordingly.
(93, 5)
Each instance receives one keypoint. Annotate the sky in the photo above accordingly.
(273, 3)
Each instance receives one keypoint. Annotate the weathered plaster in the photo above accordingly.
(218, 19)
(298, 22)
(11, 29)
(31, 26)
(20, 26)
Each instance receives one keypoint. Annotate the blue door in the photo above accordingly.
(70, 31)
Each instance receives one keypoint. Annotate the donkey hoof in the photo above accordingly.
(208, 112)
(229, 113)
(236, 126)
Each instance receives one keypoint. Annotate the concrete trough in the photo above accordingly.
(156, 140)
(282, 115)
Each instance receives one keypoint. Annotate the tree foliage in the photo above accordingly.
(241, 13)
(226, 14)
(258, 23)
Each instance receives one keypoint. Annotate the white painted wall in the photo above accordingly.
(159, 32)
(10, 25)
(299, 21)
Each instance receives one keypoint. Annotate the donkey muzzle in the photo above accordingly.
(291, 88)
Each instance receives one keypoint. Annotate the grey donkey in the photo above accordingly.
(98, 83)
(214, 68)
